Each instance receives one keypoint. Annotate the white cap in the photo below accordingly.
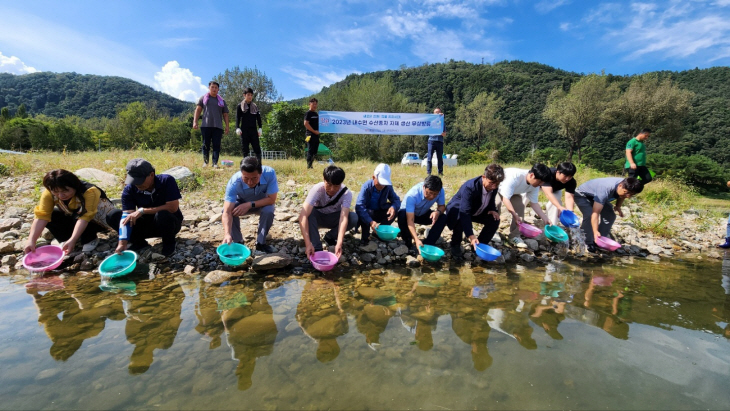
(382, 173)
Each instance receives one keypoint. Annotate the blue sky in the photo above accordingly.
(177, 47)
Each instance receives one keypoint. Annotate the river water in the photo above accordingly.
(625, 335)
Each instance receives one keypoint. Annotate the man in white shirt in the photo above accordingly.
(519, 186)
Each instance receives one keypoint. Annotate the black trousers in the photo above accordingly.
(162, 224)
(454, 223)
(640, 172)
(250, 137)
(312, 147)
(211, 135)
(379, 216)
(438, 147)
(62, 227)
(424, 219)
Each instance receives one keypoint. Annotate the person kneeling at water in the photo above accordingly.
(593, 199)
(72, 210)
(520, 186)
(252, 190)
(327, 205)
(377, 202)
(474, 202)
(152, 205)
(562, 178)
(416, 209)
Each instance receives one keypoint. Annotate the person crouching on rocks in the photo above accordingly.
(727, 233)
(377, 202)
(252, 190)
(416, 209)
(72, 210)
(327, 205)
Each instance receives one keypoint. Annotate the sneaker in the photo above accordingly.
(517, 241)
(169, 249)
(90, 246)
(205, 165)
(265, 248)
(456, 252)
(215, 166)
(137, 247)
(592, 248)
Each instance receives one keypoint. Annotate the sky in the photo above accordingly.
(177, 47)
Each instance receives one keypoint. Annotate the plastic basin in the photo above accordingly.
(233, 254)
(387, 232)
(487, 252)
(117, 265)
(44, 258)
(607, 244)
(227, 163)
(569, 219)
(529, 231)
(323, 260)
(556, 234)
(431, 253)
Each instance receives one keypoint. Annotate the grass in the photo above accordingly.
(661, 201)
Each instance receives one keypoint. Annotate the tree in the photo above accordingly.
(4, 114)
(286, 129)
(581, 109)
(479, 123)
(21, 113)
(234, 81)
(652, 103)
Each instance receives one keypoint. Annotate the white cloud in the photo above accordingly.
(179, 82)
(13, 65)
(175, 41)
(338, 43)
(546, 6)
(320, 76)
(565, 26)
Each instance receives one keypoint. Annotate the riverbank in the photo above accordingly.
(662, 222)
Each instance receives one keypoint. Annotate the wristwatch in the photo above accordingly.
(253, 204)
(141, 210)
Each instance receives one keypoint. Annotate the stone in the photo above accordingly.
(271, 261)
(220, 276)
(371, 247)
(197, 250)
(99, 177)
(6, 247)
(654, 258)
(412, 261)
(400, 250)
(655, 249)
(189, 269)
(291, 183)
(9, 260)
(367, 257)
(532, 244)
(714, 254)
(183, 175)
(8, 224)
(11, 212)
(372, 293)
(157, 257)
(215, 218)
(527, 257)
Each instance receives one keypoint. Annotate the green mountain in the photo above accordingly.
(86, 96)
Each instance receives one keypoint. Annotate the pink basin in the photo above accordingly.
(323, 260)
(607, 244)
(529, 231)
(44, 258)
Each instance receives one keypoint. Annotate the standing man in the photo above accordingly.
(593, 199)
(247, 118)
(416, 209)
(561, 178)
(152, 205)
(474, 202)
(327, 205)
(518, 182)
(436, 143)
(215, 116)
(636, 157)
(251, 190)
(377, 202)
(311, 123)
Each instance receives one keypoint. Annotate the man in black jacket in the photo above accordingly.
(474, 202)
(247, 118)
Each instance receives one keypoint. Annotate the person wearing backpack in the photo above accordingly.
(327, 205)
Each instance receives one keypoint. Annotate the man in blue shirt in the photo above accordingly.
(152, 205)
(436, 143)
(416, 209)
(377, 202)
(474, 202)
(251, 190)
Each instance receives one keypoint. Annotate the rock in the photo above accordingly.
(6, 247)
(8, 224)
(714, 254)
(527, 257)
(189, 269)
(271, 261)
(220, 276)
(215, 218)
(367, 257)
(183, 175)
(291, 183)
(372, 293)
(532, 244)
(412, 261)
(655, 249)
(197, 250)
(654, 258)
(11, 212)
(157, 257)
(400, 250)
(99, 177)
(371, 247)
(9, 260)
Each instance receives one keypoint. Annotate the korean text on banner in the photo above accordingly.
(351, 122)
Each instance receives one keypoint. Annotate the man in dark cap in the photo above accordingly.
(151, 203)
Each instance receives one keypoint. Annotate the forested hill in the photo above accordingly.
(524, 87)
(86, 96)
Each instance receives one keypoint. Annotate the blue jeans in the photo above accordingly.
(438, 146)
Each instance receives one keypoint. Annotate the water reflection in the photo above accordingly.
(322, 318)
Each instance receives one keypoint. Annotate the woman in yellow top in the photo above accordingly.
(72, 210)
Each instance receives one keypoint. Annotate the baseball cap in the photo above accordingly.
(382, 173)
(137, 171)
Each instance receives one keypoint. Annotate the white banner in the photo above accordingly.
(352, 122)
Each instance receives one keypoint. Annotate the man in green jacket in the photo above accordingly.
(636, 157)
